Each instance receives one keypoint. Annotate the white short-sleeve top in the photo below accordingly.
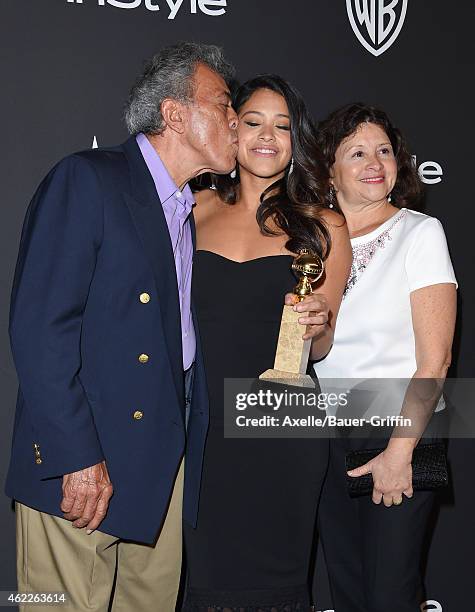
(374, 336)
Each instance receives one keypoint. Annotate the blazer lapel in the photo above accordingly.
(150, 223)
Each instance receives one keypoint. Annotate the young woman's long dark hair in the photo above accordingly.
(295, 201)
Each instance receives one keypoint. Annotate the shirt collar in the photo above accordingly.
(164, 184)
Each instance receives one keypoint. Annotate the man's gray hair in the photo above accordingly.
(169, 74)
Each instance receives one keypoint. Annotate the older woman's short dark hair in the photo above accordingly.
(344, 122)
(169, 74)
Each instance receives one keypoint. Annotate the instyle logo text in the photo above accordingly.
(213, 8)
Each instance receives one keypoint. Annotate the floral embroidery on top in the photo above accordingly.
(364, 253)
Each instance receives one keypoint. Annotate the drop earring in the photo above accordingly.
(233, 173)
(389, 198)
(291, 167)
(331, 194)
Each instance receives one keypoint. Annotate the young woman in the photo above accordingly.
(251, 547)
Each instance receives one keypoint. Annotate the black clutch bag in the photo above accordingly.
(429, 469)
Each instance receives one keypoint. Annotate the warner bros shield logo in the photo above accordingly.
(376, 23)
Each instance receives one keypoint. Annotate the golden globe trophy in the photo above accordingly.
(291, 358)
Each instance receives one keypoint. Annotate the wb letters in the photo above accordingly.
(376, 23)
(374, 20)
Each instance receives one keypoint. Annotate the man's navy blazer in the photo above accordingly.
(95, 287)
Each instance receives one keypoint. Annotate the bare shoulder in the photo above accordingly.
(332, 218)
(335, 223)
(340, 254)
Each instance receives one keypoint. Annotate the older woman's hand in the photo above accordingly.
(316, 305)
(392, 476)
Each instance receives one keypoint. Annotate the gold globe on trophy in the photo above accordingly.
(308, 267)
(291, 358)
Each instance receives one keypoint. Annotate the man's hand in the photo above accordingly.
(316, 305)
(86, 496)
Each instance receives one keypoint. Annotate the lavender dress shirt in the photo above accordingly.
(177, 206)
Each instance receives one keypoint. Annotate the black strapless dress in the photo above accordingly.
(252, 546)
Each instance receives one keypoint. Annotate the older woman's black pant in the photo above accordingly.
(373, 553)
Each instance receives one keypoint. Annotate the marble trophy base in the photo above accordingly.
(292, 353)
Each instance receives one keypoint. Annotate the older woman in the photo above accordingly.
(396, 322)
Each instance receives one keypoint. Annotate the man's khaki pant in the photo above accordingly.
(53, 556)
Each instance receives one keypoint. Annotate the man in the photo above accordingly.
(106, 348)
